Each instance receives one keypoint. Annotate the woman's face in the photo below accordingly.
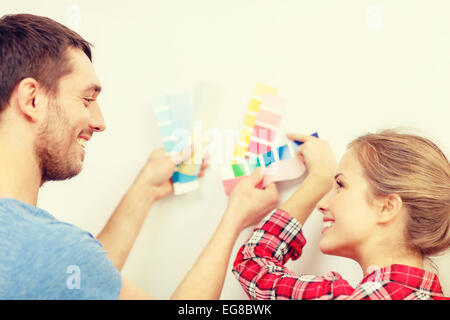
(349, 218)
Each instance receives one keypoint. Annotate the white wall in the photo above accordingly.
(345, 67)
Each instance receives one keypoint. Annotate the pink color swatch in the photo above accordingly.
(230, 184)
(268, 117)
(264, 133)
(258, 148)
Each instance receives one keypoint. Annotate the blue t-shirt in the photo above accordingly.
(43, 258)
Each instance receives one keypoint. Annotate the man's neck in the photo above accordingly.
(20, 174)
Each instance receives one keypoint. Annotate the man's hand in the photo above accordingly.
(152, 183)
(248, 204)
(160, 167)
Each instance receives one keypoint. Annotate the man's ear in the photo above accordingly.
(389, 208)
(31, 101)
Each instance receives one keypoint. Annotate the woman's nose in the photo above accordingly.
(322, 205)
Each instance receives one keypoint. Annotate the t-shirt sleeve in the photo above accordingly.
(64, 263)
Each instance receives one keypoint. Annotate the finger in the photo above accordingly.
(204, 165)
(300, 149)
(159, 150)
(300, 153)
(168, 188)
(206, 159)
(202, 170)
(272, 188)
(256, 177)
(302, 158)
(165, 189)
(183, 155)
(157, 153)
(299, 137)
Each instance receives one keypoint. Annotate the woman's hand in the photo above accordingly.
(317, 156)
(321, 165)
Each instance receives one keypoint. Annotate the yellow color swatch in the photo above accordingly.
(249, 120)
(261, 90)
(189, 167)
(254, 105)
(245, 136)
(239, 151)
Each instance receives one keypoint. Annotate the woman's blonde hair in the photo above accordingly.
(419, 172)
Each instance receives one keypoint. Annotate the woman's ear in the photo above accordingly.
(29, 99)
(389, 208)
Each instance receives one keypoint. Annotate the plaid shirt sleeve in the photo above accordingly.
(259, 264)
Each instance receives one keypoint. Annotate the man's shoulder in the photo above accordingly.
(41, 252)
(14, 211)
(25, 225)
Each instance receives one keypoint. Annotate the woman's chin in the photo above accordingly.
(326, 247)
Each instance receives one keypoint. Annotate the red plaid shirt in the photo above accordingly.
(259, 267)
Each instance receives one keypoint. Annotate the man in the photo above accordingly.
(48, 112)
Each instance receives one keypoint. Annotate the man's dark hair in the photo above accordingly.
(34, 46)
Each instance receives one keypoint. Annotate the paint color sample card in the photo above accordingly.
(250, 119)
(266, 125)
(163, 114)
(173, 114)
(205, 104)
(175, 117)
(279, 164)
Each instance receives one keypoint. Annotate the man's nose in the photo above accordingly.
(96, 122)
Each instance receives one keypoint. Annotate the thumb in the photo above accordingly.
(272, 187)
(299, 137)
(256, 177)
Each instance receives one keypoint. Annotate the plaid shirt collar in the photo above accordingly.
(411, 277)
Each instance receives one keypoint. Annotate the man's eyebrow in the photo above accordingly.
(93, 87)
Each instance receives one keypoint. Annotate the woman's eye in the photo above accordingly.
(339, 184)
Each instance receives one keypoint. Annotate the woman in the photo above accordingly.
(387, 206)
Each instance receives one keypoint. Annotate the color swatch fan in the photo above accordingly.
(260, 123)
(256, 144)
(178, 121)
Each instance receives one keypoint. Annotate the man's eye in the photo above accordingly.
(339, 184)
(87, 101)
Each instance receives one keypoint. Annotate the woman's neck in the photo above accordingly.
(376, 261)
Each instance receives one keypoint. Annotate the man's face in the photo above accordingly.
(72, 118)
